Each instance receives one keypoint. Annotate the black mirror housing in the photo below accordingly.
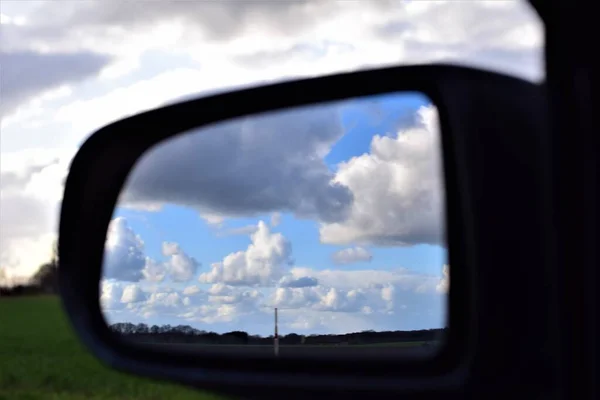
(495, 165)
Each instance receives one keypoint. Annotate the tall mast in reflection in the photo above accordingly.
(276, 337)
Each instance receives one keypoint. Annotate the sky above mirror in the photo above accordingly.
(69, 68)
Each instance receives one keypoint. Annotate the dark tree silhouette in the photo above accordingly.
(187, 334)
(45, 280)
(47, 276)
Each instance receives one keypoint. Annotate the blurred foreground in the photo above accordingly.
(40, 358)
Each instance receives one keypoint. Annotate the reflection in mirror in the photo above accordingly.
(317, 227)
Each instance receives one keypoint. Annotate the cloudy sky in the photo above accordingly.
(346, 254)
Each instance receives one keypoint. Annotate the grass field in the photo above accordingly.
(40, 358)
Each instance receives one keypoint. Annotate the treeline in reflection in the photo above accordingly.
(187, 334)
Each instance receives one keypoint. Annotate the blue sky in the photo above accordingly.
(363, 118)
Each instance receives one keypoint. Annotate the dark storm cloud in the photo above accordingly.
(247, 167)
(25, 74)
(216, 20)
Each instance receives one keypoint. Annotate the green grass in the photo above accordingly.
(40, 358)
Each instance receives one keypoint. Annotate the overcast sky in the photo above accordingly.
(69, 67)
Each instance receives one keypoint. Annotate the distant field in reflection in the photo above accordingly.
(372, 350)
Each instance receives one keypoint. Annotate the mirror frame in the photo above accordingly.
(103, 163)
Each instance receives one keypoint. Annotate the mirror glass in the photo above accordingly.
(313, 228)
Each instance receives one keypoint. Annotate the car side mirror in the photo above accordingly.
(492, 166)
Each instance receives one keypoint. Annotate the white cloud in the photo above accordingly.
(209, 310)
(132, 294)
(342, 301)
(111, 293)
(403, 279)
(125, 258)
(375, 301)
(297, 282)
(444, 284)
(351, 255)
(191, 290)
(30, 193)
(182, 267)
(262, 263)
(220, 289)
(170, 248)
(275, 219)
(224, 294)
(397, 189)
(168, 300)
(154, 271)
(337, 300)
(214, 220)
(322, 298)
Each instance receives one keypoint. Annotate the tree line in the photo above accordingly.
(187, 334)
(45, 281)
